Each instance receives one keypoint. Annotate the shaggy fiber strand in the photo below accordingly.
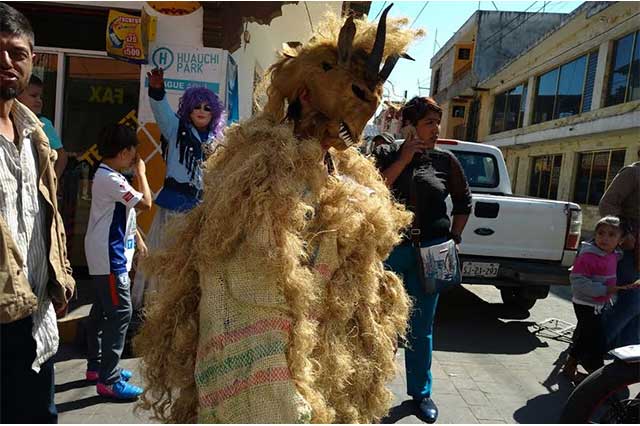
(273, 303)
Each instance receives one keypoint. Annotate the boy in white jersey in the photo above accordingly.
(110, 243)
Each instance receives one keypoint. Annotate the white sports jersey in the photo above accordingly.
(110, 240)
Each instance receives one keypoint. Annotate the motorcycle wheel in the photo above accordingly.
(597, 398)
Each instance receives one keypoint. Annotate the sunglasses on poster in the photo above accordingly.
(206, 108)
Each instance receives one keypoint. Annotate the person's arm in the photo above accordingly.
(141, 183)
(123, 192)
(162, 112)
(61, 162)
(55, 143)
(620, 188)
(581, 278)
(141, 246)
(461, 198)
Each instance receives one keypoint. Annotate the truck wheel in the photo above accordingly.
(514, 298)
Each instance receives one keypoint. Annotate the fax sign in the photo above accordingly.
(162, 58)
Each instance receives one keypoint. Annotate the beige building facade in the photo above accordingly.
(566, 112)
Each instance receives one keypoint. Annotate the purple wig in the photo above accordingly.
(195, 96)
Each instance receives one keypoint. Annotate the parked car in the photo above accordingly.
(521, 245)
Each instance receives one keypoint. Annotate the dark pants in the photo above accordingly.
(588, 338)
(27, 396)
(107, 326)
(622, 322)
(419, 352)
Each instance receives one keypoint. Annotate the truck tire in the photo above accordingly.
(514, 297)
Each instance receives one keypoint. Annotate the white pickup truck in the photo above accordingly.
(521, 245)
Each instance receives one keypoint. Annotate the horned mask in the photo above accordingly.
(338, 74)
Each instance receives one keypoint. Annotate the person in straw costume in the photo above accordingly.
(275, 305)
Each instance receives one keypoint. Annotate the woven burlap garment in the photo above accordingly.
(297, 318)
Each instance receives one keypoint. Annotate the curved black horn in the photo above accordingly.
(345, 41)
(387, 68)
(389, 64)
(375, 57)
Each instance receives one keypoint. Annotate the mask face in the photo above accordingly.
(344, 84)
(342, 98)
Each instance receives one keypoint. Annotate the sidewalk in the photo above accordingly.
(488, 367)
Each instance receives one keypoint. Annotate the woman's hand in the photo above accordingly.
(410, 148)
(156, 78)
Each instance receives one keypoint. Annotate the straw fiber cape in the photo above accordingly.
(275, 306)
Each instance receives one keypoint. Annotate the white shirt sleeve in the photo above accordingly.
(121, 191)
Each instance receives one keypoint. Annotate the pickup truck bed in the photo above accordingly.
(521, 245)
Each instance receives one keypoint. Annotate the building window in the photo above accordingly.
(464, 53)
(458, 111)
(624, 75)
(436, 81)
(596, 170)
(561, 91)
(545, 176)
(590, 80)
(508, 109)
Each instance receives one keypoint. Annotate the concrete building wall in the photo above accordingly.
(504, 35)
(266, 40)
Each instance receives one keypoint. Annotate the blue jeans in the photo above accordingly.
(622, 322)
(418, 354)
(107, 326)
(27, 396)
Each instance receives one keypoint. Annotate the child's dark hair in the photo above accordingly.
(417, 108)
(115, 138)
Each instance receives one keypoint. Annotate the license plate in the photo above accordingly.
(480, 269)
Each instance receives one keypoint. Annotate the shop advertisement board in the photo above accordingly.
(184, 67)
(126, 37)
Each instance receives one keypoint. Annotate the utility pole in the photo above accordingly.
(435, 41)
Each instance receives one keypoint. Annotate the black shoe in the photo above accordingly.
(429, 410)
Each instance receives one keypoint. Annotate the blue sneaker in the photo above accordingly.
(119, 390)
(92, 376)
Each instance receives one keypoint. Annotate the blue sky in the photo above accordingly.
(443, 18)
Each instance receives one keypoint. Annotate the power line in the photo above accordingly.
(309, 16)
(418, 15)
(494, 5)
(508, 23)
(523, 21)
(380, 11)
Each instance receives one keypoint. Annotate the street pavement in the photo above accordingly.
(490, 366)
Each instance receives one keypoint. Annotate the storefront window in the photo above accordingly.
(45, 67)
(596, 170)
(545, 176)
(98, 91)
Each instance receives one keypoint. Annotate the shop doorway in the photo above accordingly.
(97, 91)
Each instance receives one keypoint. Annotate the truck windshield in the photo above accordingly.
(480, 169)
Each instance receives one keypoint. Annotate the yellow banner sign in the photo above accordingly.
(125, 39)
